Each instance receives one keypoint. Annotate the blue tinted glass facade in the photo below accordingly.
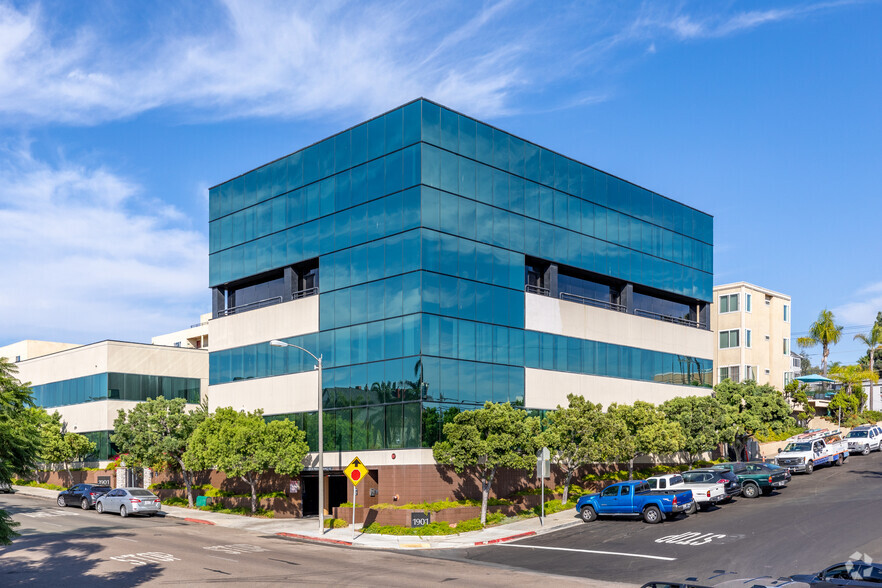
(422, 220)
(115, 386)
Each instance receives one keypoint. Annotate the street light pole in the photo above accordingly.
(321, 432)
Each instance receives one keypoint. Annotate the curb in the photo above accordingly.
(204, 522)
(317, 539)
(504, 539)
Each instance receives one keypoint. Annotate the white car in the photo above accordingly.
(703, 494)
(129, 501)
(864, 439)
(6, 488)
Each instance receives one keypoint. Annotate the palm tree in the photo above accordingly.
(823, 332)
(873, 341)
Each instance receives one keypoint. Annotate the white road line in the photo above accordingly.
(125, 539)
(224, 558)
(589, 551)
(51, 524)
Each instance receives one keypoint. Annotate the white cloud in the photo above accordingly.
(863, 311)
(83, 258)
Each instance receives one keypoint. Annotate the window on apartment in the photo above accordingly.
(729, 339)
(747, 337)
(797, 363)
(786, 313)
(729, 303)
(786, 346)
(788, 377)
(731, 372)
(750, 372)
(747, 302)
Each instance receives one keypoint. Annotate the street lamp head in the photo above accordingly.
(277, 343)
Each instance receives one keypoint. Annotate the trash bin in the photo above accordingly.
(203, 501)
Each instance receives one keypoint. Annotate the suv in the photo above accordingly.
(711, 476)
(864, 439)
(82, 495)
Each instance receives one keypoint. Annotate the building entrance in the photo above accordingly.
(309, 494)
(337, 491)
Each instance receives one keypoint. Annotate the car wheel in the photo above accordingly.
(692, 509)
(866, 450)
(750, 491)
(588, 514)
(652, 515)
(84, 504)
(809, 467)
(99, 507)
(123, 512)
(61, 501)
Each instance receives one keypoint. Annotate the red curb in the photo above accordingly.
(199, 521)
(319, 539)
(504, 539)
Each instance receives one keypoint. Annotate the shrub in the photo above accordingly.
(872, 416)
(166, 486)
(35, 484)
(782, 436)
(215, 507)
(436, 528)
(333, 523)
(175, 501)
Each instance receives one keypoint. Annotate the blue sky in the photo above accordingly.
(115, 118)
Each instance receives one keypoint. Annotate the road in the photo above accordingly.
(60, 544)
(816, 520)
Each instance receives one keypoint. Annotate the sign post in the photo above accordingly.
(543, 470)
(356, 472)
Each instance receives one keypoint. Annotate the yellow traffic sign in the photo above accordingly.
(355, 471)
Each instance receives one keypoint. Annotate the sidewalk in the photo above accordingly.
(307, 529)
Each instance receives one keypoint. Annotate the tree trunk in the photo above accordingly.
(824, 360)
(872, 351)
(567, 481)
(69, 473)
(631, 469)
(252, 481)
(188, 482)
(486, 483)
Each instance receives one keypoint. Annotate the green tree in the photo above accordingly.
(496, 436)
(843, 406)
(19, 436)
(797, 393)
(823, 332)
(155, 433)
(852, 377)
(60, 448)
(750, 409)
(644, 430)
(243, 445)
(578, 435)
(702, 420)
(873, 341)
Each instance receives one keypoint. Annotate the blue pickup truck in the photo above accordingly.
(634, 499)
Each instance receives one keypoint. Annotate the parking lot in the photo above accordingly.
(816, 520)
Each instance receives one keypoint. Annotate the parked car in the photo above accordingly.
(634, 498)
(82, 495)
(729, 481)
(806, 451)
(6, 488)
(755, 478)
(787, 475)
(864, 439)
(850, 573)
(128, 501)
(704, 494)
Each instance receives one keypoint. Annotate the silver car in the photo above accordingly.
(128, 501)
(864, 439)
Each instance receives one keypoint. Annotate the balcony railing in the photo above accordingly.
(669, 319)
(252, 305)
(593, 302)
(304, 293)
(537, 290)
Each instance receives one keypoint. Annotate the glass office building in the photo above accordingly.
(437, 247)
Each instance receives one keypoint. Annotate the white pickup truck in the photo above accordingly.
(703, 494)
(805, 452)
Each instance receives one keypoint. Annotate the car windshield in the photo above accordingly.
(798, 447)
(691, 477)
(141, 493)
(857, 434)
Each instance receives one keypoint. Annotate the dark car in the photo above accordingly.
(712, 476)
(775, 467)
(850, 573)
(82, 495)
(755, 477)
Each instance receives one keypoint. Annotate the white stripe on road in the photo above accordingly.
(125, 539)
(589, 551)
(224, 558)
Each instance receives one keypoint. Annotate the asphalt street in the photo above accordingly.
(59, 544)
(815, 521)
